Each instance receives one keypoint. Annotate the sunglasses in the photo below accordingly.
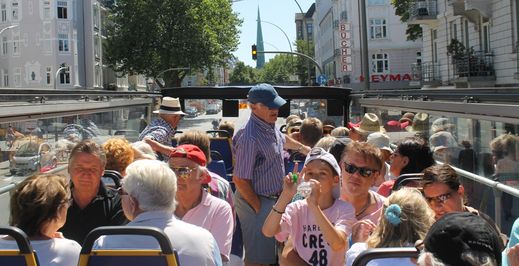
(352, 169)
(441, 199)
(183, 172)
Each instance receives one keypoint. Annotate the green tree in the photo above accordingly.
(278, 69)
(243, 75)
(413, 32)
(307, 48)
(149, 36)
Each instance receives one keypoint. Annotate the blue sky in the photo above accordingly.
(279, 12)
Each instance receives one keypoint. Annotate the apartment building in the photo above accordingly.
(40, 37)
(467, 43)
(338, 45)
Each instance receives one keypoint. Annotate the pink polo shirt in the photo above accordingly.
(309, 242)
(216, 216)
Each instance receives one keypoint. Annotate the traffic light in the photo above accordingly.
(254, 52)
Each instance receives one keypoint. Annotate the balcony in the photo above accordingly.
(471, 9)
(423, 12)
(474, 69)
(427, 73)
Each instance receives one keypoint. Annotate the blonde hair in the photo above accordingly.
(415, 219)
(119, 154)
(325, 143)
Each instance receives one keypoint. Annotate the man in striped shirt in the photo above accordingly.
(259, 170)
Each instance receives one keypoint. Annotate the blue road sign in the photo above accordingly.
(321, 79)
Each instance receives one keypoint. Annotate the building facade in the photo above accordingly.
(40, 37)
(468, 43)
(338, 45)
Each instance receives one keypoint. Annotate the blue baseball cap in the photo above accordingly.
(265, 94)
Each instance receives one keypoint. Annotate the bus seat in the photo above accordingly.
(25, 255)
(165, 256)
(112, 178)
(224, 147)
(218, 167)
(408, 180)
(385, 253)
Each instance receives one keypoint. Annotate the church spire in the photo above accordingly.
(260, 61)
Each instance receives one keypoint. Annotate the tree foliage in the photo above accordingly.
(413, 32)
(150, 36)
(306, 48)
(243, 75)
(278, 69)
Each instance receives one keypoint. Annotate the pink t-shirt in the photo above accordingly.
(299, 222)
(216, 216)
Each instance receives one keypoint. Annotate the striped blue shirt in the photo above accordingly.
(258, 149)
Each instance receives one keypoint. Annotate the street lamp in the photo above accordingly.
(170, 69)
(286, 36)
(8, 27)
(307, 38)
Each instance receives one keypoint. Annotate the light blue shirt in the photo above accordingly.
(194, 245)
(258, 149)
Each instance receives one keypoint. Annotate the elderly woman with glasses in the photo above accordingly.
(360, 166)
(444, 193)
(39, 207)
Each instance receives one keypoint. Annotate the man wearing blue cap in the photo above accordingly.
(259, 170)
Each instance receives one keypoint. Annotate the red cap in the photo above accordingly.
(190, 152)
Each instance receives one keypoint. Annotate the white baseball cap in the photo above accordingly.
(319, 153)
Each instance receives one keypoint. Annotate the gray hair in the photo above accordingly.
(153, 184)
(325, 143)
(471, 257)
(144, 149)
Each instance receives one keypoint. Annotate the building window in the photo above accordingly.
(434, 43)
(46, 10)
(377, 28)
(16, 43)
(379, 63)
(454, 30)
(6, 78)
(486, 37)
(63, 43)
(14, 11)
(97, 48)
(17, 77)
(62, 10)
(309, 30)
(96, 17)
(376, 2)
(4, 45)
(64, 76)
(4, 13)
(48, 75)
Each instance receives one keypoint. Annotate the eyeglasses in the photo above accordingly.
(121, 191)
(364, 172)
(441, 199)
(183, 172)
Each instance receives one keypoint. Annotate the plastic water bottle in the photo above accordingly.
(304, 189)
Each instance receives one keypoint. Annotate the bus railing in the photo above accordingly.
(497, 188)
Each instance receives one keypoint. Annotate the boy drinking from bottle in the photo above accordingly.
(318, 225)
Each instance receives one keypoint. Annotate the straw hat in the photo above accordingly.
(420, 123)
(379, 140)
(170, 106)
(369, 123)
(441, 124)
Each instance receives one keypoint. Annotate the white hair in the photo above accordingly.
(152, 183)
(471, 257)
(143, 147)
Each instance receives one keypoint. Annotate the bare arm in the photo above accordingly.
(159, 147)
(272, 224)
(244, 186)
(293, 144)
(335, 238)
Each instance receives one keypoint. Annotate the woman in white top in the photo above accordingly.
(405, 220)
(39, 207)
